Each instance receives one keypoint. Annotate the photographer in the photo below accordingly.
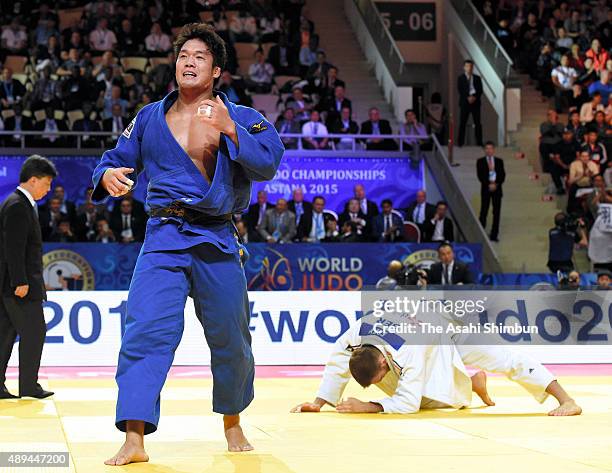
(561, 239)
(569, 282)
(391, 280)
(398, 276)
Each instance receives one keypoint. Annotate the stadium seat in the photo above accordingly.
(332, 213)
(39, 115)
(412, 232)
(245, 50)
(398, 213)
(7, 114)
(244, 66)
(134, 64)
(156, 61)
(266, 48)
(59, 114)
(68, 17)
(265, 102)
(16, 63)
(73, 116)
(23, 78)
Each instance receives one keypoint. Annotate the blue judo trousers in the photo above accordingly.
(180, 259)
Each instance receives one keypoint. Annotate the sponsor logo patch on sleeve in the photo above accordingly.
(128, 131)
(258, 127)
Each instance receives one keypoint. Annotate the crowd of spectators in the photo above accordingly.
(90, 66)
(285, 221)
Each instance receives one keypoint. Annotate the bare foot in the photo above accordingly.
(479, 386)
(568, 408)
(236, 441)
(130, 452)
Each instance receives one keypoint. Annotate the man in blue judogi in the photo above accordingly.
(200, 153)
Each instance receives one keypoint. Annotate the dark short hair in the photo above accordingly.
(442, 202)
(489, 143)
(468, 61)
(318, 197)
(408, 110)
(37, 166)
(207, 35)
(364, 364)
(445, 244)
(597, 93)
(386, 201)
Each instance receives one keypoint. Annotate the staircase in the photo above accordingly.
(335, 34)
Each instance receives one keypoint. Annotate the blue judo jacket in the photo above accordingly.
(147, 144)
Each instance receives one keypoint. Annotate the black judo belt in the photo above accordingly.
(190, 215)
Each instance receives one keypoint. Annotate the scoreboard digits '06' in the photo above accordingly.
(408, 21)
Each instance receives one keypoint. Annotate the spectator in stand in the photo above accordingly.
(11, 90)
(44, 30)
(46, 91)
(420, 211)
(564, 154)
(75, 90)
(74, 60)
(76, 42)
(332, 106)
(67, 207)
(564, 42)
(50, 127)
(287, 123)
(157, 43)
(331, 82)
(367, 206)
(344, 125)
(48, 55)
(63, 233)
(551, 134)
(576, 126)
(282, 56)
(242, 231)
(255, 215)
(505, 36)
(491, 174)
(49, 216)
(436, 117)
(115, 123)
(115, 99)
(261, 74)
(588, 110)
(529, 41)
(448, 271)
(377, 126)
(600, 237)
(576, 59)
(603, 86)
(102, 39)
(300, 207)
(350, 232)
(14, 39)
(331, 231)
(388, 226)
(317, 74)
(469, 86)
(269, 27)
(599, 55)
(439, 228)
(87, 124)
(587, 74)
(544, 67)
(86, 223)
(300, 104)
(315, 131)
(17, 122)
(313, 229)
(104, 234)
(243, 27)
(604, 278)
(413, 127)
(127, 225)
(602, 128)
(308, 55)
(563, 78)
(278, 225)
(128, 40)
(233, 89)
(578, 98)
(574, 25)
(354, 214)
(581, 174)
(597, 152)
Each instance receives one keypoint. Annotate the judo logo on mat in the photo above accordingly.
(128, 131)
(65, 270)
(421, 259)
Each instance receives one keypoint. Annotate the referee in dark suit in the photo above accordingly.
(21, 279)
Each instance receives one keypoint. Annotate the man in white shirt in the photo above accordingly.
(157, 41)
(314, 128)
(433, 375)
(102, 39)
(261, 74)
(14, 38)
(563, 78)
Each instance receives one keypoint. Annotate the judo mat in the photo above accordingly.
(516, 435)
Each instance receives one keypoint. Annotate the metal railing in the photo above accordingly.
(387, 46)
(495, 52)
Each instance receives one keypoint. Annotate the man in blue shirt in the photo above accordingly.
(200, 152)
(602, 86)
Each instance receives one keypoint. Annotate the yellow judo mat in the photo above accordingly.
(513, 436)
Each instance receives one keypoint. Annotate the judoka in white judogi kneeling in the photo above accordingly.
(426, 376)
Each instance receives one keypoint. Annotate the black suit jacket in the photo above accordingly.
(463, 87)
(430, 211)
(460, 274)
(429, 228)
(307, 206)
(137, 224)
(482, 170)
(92, 141)
(385, 129)
(20, 248)
(305, 226)
(252, 215)
(107, 124)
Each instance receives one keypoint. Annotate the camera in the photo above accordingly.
(412, 275)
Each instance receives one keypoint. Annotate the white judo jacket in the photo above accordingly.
(418, 374)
